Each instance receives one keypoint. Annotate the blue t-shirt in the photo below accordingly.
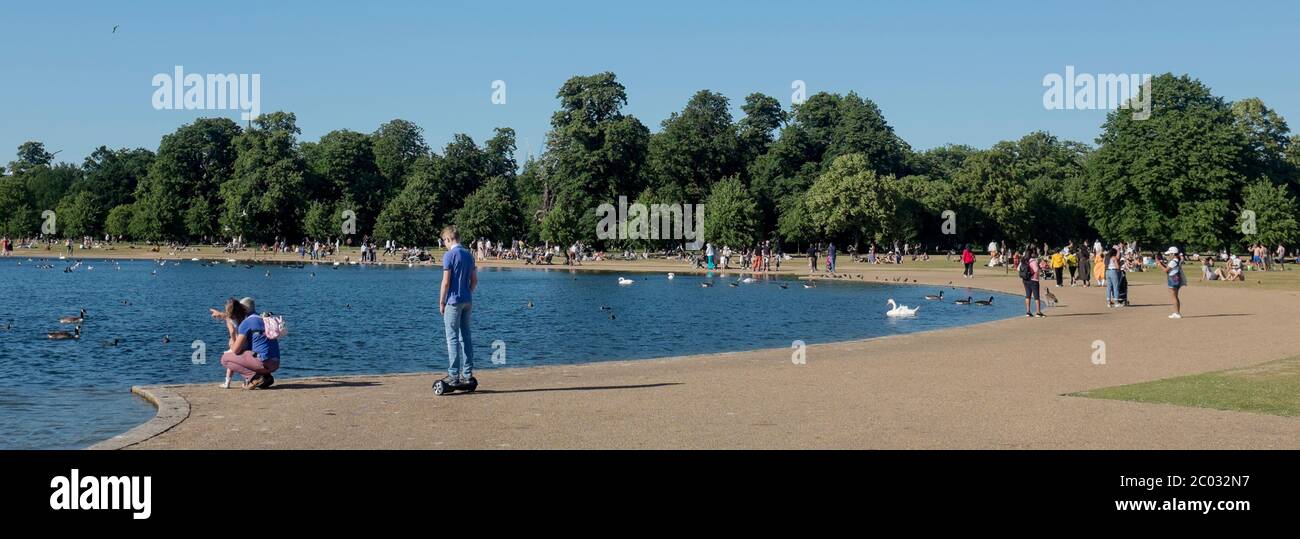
(253, 328)
(460, 262)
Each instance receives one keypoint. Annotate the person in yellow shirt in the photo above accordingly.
(1072, 262)
(1058, 266)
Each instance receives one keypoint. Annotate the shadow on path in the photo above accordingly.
(582, 388)
(320, 384)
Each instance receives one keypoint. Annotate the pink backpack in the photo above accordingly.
(274, 326)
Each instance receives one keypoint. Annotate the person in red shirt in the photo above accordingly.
(968, 258)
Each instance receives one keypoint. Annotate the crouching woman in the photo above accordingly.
(252, 354)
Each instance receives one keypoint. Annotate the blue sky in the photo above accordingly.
(942, 71)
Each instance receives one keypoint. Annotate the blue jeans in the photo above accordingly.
(460, 347)
(1112, 285)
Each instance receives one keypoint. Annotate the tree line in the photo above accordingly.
(1201, 172)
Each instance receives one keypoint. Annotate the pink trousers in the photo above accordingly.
(247, 365)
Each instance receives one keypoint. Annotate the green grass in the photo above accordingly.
(1270, 388)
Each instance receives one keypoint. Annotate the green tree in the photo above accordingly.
(851, 202)
(921, 206)
(1276, 214)
(321, 220)
(490, 212)
(992, 202)
(757, 130)
(415, 216)
(201, 219)
(118, 222)
(793, 223)
(47, 185)
(696, 146)
(31, 154)
(18, 218)
(194, 161)
(1151, 182)
(345, 161)
(824, 128)
(731, 215)
(397, 144)
(1265, 132)
(81, 214)
(113, 175)
(593, 153)
(264, 198)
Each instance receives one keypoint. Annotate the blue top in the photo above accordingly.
(253, 328)
(460, 263)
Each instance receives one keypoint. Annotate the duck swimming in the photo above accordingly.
(73, 319)
(963, 301)
(65, 335)
(934, 297)
(984, 302)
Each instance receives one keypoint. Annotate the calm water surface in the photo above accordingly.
(354, 320)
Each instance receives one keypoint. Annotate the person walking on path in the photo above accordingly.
(968, 259)
(1174, 278)
(830, 257)
(459, 279)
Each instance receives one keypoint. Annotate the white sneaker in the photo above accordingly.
(1175, 316)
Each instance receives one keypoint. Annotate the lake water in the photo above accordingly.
(383, 319)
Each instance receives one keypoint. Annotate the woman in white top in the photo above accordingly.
(1174, 278)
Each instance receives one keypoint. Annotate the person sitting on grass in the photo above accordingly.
(251, 353)
(1208, 271)
(1235, 270)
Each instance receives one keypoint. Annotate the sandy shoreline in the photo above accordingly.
(994, 385)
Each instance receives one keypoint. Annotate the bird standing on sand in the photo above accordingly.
(1051, 298)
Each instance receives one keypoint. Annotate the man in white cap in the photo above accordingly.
(1174, 278)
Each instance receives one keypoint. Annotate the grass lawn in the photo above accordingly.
(1269, 388)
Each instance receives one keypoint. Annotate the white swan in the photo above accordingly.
(747, 280)
(625, 281)
(900, 310)
(670, 275)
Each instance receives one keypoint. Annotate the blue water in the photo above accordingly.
(353, 319)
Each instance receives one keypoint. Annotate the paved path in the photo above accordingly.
(993, 385)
